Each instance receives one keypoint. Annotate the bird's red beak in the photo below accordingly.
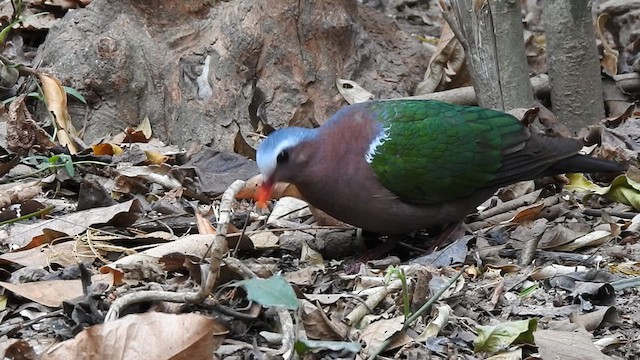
(264, 193)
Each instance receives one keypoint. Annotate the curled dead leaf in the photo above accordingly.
(609, 61)
(56, 100)
(106, 149)
(352, 92)
(22, 131)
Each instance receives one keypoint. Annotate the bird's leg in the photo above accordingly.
(376, 249)
(450, 232)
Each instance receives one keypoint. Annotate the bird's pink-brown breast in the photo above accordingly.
(337, 177)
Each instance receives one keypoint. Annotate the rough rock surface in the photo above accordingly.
(218, 73)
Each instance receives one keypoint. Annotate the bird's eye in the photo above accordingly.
(283, 157)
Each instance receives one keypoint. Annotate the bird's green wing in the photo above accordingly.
(431, 151)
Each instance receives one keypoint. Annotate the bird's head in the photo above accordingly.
(278, 159)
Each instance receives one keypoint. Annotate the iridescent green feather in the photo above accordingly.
(436, 151)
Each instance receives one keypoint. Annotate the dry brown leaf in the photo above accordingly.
(106, 149)
(310, 256)
(527, 213)
(132, 135)
(48, 293)
(151, 335)
(378, 332)
(436, 324)
(551, 271)
(305, 276)
(22, 131)
(51, 293)
(155, 157)
(33, 18)
(609, 61)
(596, 319)
(264, 239)
(141, 134)
(445, 64)
(145, 127)
(19, 348)
(44, 255)
(56, 100)
(68, 4)
(204, 226)
(289, 208)
(352, 92)
(517, 190)
(195, 246)
(316, 324)
(72, 224)
(555, 344)
(159, 174)
(327, 299)
(5, 167)
(19, 193)
(594, 238)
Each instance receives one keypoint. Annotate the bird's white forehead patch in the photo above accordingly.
(267, 159)
(379, 140)
(276, 142)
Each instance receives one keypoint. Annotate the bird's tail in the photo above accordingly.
(585, 164)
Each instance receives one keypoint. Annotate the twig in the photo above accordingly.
(620, 214)
(554, 256)
(514, 204)
(467, 95)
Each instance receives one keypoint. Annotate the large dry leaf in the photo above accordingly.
(65, 254)
(609, 61)
(159, 174)
(147, 336)
(123, 214)
(436, 324)
(52, 293)
(56, 99)
(48, 293)
(18, 193)
(141, 134)
(106, 149)
(317, 325)
(445, 64)
(593, 238)
(378, 332)
(289, 208)
(555, 344)
(195, 246)
(214, 171)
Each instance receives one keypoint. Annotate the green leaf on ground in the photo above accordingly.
(622, 189)
(492, 339)
(274, 291)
